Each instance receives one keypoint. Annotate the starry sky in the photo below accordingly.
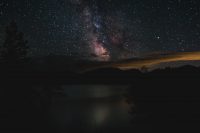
(104, 29)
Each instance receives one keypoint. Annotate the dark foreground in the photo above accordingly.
(106, 100)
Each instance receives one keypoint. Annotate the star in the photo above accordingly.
(158, 37)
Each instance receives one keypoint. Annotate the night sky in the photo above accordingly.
(104, 29)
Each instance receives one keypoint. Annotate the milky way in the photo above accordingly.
(94, 35)
(103, 33)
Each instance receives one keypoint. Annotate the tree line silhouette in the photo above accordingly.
(14, 49)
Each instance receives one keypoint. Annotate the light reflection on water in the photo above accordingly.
(100, 114)
(91, 108)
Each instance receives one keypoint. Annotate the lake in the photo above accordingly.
(91, 108)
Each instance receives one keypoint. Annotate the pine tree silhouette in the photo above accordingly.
(14, 49)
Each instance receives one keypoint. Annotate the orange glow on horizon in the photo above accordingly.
(150, 62)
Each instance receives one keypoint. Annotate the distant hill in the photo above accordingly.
(66, 70)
